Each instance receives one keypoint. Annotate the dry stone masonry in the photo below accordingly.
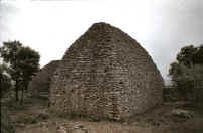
(40, 83)
(105, 74)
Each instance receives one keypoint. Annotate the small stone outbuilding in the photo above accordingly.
(105, 74)
(39, 85)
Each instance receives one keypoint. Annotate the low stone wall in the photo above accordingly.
(40, 83)
(6, 124)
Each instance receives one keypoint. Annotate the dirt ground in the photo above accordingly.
(33, 117)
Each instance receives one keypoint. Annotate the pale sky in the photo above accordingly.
(50, 27)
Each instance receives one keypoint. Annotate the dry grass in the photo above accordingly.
(158, 120)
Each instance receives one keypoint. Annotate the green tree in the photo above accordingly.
(186, 55)
(198, 56)
(24, 63)
(28, 65)
(186, 72)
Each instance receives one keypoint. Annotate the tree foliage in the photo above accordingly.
(187, 71)
(198, 56)
(24, 63)
(186, 55)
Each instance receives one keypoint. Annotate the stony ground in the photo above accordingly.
(33, 117)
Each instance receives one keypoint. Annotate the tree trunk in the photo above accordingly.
(21, 102)
(16, 91)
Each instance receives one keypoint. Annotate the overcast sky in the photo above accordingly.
(50, 27)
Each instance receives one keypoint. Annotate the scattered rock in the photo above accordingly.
(79, 129)
(185, 114)
(42, 116)
(61, 129)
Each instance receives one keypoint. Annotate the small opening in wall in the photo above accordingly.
(120, 82)
(105, 70)
(138, 86)
(67, 76)
(138, 74)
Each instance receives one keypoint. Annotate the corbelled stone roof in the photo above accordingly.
(106, 74)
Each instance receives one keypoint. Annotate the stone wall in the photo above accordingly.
(40, 83)
(6, 124)
(105, 74)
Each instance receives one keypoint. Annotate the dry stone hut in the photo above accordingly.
(40, 83)
(105, 74)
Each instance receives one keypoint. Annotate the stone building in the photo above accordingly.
(105, 74)
(39, 84)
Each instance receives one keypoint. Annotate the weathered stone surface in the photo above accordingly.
(105, 74)
(40, 83)
(6, 124)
